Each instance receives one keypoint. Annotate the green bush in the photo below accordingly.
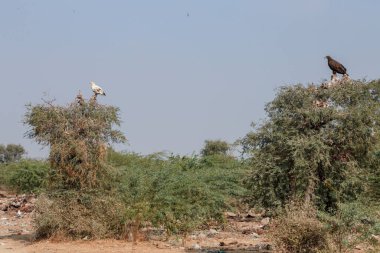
(352, 224)
(173, 192)
(215, 147)
(179, 193)
(311, 153)
(11, 153)
(25, 176)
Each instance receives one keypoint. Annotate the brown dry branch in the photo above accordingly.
(78, 135)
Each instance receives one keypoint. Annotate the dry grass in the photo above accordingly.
(79, 215)
(298, 230)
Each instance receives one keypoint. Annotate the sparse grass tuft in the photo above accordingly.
(298, 230)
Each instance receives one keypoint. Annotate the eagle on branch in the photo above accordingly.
(336, 66)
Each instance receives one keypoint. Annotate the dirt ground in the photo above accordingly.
(243, 233)
(17, 235)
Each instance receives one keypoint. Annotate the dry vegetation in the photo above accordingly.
(77, 135)
(299, 230)
(318, 147)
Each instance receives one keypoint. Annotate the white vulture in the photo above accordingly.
(96, 89)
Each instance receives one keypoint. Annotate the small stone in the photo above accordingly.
(259, 231)
(176, 242)
(264, 246)
(265, 221)
(196, 246)
(16, 204)
(202, 235)
(376, 237)
(32, 200)
(246, 231)
(19, 214)
(250, 214)
(27, 208)
(230, 214)
(212, 232)
(255, 235)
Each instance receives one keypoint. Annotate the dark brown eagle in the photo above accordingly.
(336, 66)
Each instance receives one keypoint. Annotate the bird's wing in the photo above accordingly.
(344, 69)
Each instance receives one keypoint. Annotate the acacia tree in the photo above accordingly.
(77, 135)
(11, 152)
(316, 145)
(215, 147)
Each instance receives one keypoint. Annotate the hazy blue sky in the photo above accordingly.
(177, 79)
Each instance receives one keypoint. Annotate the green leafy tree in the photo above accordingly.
(316, 145)
(215, 147)
(11, 153)
(2, 154)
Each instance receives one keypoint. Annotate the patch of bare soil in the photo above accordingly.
(243, 233)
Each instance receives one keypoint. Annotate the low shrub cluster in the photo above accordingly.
(299, 230)
(353, 223)
(25, 176)
(76, 215)
(175, 193)
(180, 193)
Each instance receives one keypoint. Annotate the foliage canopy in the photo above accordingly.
(77, 135)
(320, 154)
(215, 147)
(11, 153)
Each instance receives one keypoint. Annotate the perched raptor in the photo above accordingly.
(96, 89)
(336, 67)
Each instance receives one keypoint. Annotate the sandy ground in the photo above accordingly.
(17, 236)
(243, 233)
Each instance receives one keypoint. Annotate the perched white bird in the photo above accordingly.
(96, 89)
